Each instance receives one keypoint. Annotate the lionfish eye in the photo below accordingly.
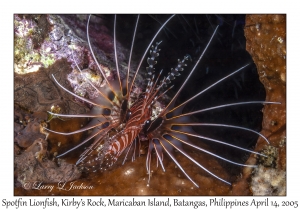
(146, 126)
(128, 115)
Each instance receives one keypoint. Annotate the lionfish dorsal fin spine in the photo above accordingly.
(167, 108)
(150, 44)
(151, 60)
(174, 71)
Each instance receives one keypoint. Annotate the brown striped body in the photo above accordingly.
(140, 112)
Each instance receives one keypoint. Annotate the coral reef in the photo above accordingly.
(266, 42)
(37, 92)
(28, 127)
(31, 53)
(33, 166)
(266, 181)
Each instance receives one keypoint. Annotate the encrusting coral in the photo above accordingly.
(266, 42)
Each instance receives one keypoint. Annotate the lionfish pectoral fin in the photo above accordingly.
(97, 63)
(159, 152)
(85, 128)
(127, 152)
(222, 106)
(106, 100)
(214, 140)
(95, 133)
(134, 149)
(148, 159)
(76, 115)
(168, 151)
(194, 161)
(182, 138)
(175, 112)
(187, 130)
(79, 97)
(226, 125)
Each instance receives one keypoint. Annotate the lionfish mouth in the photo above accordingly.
(122, 119)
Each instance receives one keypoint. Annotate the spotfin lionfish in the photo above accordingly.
(120, 123)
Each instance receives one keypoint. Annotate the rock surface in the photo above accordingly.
(266, 42)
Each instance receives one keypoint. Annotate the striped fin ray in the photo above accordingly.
(168, 149)
(79, 97)
(176, 137)
(90, 137)
(88, 127)
(193, 160)
(193, 134)
(104, 95)
(222, 106)
(90, 158)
